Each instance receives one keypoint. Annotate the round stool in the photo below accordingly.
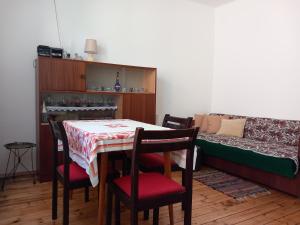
(16, 151)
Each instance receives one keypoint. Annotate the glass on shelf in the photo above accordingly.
(77, 100)
(99, 101)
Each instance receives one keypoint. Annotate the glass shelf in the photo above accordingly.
(80, 108)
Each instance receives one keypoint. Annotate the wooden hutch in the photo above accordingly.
(69, 88)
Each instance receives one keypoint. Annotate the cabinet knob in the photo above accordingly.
(82, 76)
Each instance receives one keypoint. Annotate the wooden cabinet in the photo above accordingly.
(58, 77)
(44, 153)
(140, 107)
(61, 75)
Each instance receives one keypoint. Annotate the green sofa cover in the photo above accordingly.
(281, 166)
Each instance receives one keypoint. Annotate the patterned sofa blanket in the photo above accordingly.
(286, 132)
(273, 149)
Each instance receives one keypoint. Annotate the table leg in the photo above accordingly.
(102, 171)
(168, 173)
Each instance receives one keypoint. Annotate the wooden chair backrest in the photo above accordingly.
(163, 141)
(177, 122)
(59, 133)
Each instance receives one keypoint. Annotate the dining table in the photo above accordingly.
(88, 138)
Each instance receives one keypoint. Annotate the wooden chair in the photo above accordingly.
(70, 174)
(152, 190)
(153, 162)
(121, 156)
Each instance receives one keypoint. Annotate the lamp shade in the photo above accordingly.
(90, 46)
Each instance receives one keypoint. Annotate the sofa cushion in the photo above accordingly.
(204, 124)
(214, 123)
(199, 119)
(262, 148)
(233, 127)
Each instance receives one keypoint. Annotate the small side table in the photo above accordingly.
(16, 151)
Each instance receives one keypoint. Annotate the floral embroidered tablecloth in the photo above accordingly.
(87, 138)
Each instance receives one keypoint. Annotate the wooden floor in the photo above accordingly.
(25, 203)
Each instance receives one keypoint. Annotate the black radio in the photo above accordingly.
(43, 50)
(56, 52)
(47, 51)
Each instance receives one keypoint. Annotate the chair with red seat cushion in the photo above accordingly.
(121, 157)
(155, 162)
(150, 162)
(77, 173)
(70, 174)
(151, 185)
(152, 190)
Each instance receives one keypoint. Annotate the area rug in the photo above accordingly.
(232, 186)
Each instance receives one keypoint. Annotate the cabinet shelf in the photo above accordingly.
(79, 108)
(116, 93)
(95, 92)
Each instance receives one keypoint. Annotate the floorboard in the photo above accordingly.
(23, 203)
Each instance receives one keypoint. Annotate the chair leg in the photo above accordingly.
(66, 206)
(146, 214)
(109, 207)
(134, 216)
(117, 211)
(54, 198)
(155, 216)
(188, 214)
(71, 194)
(124, 166)
(182, 182)
(127, 166)
(113, 164)
(182, 176)
(86, 194)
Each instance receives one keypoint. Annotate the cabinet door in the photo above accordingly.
(150, 108)
(74, 76)
(126, 106)
(61, 75)
(140, 107)
(44, 154)
(44, 73)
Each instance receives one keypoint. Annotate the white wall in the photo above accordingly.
(176, 36)
(23, 25)
(257, 58)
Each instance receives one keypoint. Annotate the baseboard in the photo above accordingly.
(19, 174)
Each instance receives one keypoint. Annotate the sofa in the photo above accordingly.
(268, 153)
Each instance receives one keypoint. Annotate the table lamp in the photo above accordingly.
(90, 48)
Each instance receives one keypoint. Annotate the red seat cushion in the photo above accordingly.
(77, 173)
(151, 185)
(153, 160)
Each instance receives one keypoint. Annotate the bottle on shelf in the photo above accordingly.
(117, 84)
(44, 113)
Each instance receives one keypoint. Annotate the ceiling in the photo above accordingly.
(214, 3)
